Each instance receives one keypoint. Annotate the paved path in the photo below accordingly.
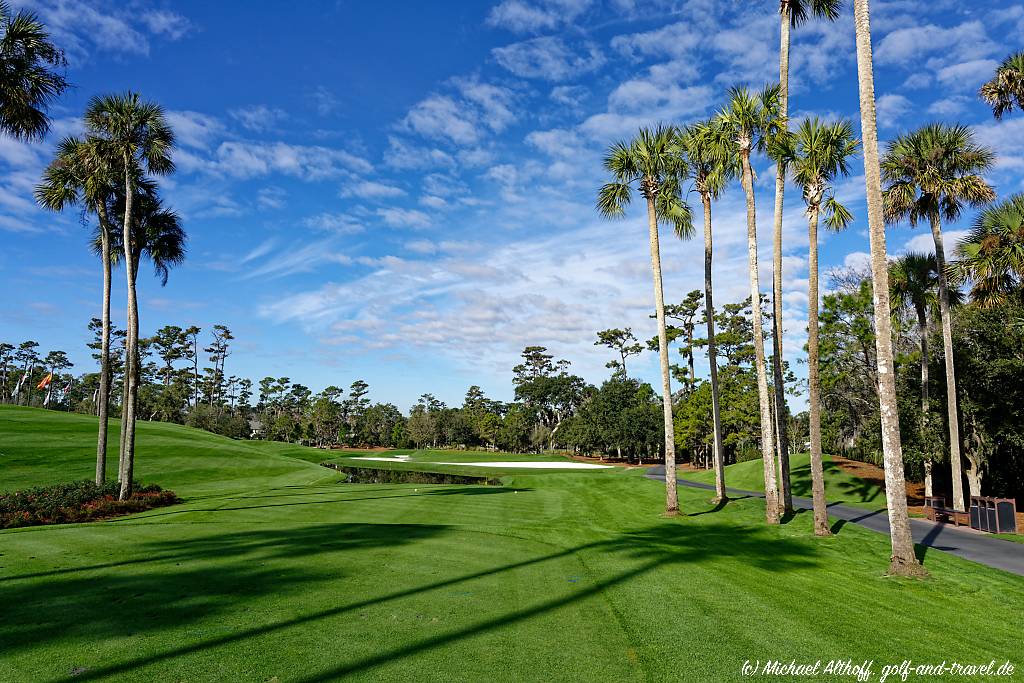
(976, 546)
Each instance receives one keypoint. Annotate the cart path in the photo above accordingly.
(976, 546)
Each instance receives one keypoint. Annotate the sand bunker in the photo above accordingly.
(532, 464)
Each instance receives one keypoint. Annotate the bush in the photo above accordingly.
(78, 501)
(217, 421)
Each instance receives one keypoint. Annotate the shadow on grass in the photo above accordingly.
(175, 597)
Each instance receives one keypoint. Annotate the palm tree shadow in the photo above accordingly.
(718, 507)
(175, 596)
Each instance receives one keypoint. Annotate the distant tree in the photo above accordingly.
(621, 341)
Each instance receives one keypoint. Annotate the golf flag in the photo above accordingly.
(17, 389)
(45, 382)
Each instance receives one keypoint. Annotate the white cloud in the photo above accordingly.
(259, 117)
(404, 218)
(248, 159)
(440, 117)
(890, 109)
(433, 202)
(966, 41)
(295, 258)
(324, 101)
(569, 95)
(405, 156)
(522, 16)
(673, 41)
(967, 75)
(924, 244)
(369, 189)
(271, 198)
(340, 223)
(548, 58)
(194, 129)
(167, 23)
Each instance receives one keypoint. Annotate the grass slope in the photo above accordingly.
(272, 572)
(840, 487)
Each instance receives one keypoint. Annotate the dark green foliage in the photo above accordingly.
(78, 501)
(218, 421)
(370, 475)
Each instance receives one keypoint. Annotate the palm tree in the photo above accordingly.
(80, 174)
(138, 140)
(913, 283)
(709, 155)
(992, 256)
(792, 13)
(751, 120)
(1006, 89)
(818, 155)
(931, 174)
(903, 562)
(650, 161)
(28, 80)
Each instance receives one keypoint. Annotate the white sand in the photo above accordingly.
(397, 458)
(532, 464)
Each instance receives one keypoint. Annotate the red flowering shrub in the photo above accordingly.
(79, 501)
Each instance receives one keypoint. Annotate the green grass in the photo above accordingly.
(273, 571)
(840, 487)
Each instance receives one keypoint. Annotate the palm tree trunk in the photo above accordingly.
(103, 395)
(903, 561)
(781, 413)
(671, 497)
(947, 347)
(709, 312)
(922, 331)
(820, 505)
(127, 460)
(771, 492)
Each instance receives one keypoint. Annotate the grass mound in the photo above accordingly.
(78, 501)
(840, 486)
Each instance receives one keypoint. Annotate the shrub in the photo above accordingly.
(77, 501)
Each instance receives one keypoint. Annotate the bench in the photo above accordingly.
(935, 510)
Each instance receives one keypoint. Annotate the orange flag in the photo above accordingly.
(45, 382)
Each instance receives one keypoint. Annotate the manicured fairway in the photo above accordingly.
(273, 571)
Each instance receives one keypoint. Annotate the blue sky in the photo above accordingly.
(404, 193)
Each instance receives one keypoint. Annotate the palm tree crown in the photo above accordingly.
(1006, 89)
(752, 119)
(913, 282)
(802, 10)
(136, 132)
(710, 156)
(28, 82)
(992, 256)
(157, 233)
(818, 154)
(649, 161)
(934, 172)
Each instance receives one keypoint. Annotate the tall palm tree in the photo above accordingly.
(932, 174)
(710, 157)
(792, 13)
(751, 121)
(992, 256)
(651, 163)
(1006, 89)
(818, 154)
(913, 285)
(29, 82)
(139, 141)
(903, 562)
(81, 175)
